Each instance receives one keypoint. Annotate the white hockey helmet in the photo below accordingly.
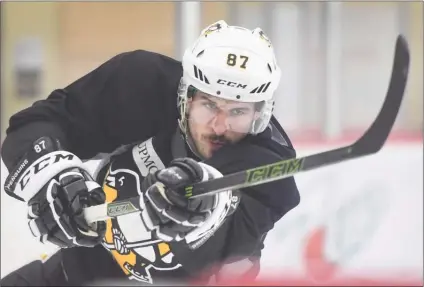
(232, 63)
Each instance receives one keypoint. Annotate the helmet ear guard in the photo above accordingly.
(265, 109)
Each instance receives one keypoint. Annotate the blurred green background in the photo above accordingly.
(336, 57)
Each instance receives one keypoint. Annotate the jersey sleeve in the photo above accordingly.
(112, 105)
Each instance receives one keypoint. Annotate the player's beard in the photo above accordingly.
(204, 145)
(214, 142)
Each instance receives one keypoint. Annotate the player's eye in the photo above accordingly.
(210, 105)
(237, 112)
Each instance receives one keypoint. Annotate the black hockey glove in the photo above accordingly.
(170, 214)
(56, 187)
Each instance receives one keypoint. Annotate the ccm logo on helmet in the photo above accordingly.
(231, 84)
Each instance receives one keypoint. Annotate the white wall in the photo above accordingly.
(371, 209)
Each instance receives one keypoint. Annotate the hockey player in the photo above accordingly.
(155, 124)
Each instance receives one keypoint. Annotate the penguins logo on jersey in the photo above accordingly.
(130, 243)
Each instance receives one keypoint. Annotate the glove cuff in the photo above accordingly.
(199, 235)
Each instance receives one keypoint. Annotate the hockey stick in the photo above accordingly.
(370, 143)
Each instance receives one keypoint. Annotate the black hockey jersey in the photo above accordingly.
(141, 256)
(131, 99)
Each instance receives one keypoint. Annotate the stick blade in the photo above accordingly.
(375, 137)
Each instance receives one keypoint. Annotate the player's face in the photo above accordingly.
(214, 122)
